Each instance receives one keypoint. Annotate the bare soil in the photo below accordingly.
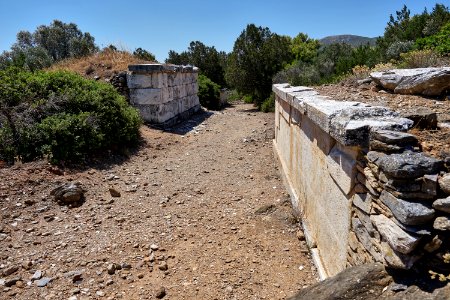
(435, 142)
(202, 214)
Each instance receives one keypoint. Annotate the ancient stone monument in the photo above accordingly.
(365, 191)
(163, 94)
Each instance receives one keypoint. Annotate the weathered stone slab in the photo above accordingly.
(442, 204)
(422, 117)
(397, 260)
(425, 81)
(363, 202)
(429, 184)
(342, 168)
(353, 283)
(145, 96)
(409, 165)
(394, 137)
(409, 213)
(398, 239)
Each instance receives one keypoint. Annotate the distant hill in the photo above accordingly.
(354, 40)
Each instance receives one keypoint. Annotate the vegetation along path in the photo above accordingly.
(202, 214)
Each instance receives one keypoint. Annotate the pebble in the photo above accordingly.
(161, 293)
(114, 192)
(43, 282)
(100, 293)
(37, 275)
(154, 247)
(10, 270)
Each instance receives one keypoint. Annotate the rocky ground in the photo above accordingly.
(435, 142)
(196, 213)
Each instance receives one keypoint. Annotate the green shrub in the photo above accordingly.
(234, 96)
(247, 99)
(439, 42)
(268, 105)
(208, 92)
(62, 116)
(418, 59)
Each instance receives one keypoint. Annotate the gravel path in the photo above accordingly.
(202, 214)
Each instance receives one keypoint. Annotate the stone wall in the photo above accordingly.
(163, 93)
(362, 187)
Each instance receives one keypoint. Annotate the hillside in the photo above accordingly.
(354, 40)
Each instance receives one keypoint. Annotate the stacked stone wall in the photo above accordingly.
(163, 93)
(362, 186)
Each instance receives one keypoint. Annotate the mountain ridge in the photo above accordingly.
(353, 40)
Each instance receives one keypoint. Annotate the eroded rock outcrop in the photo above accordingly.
(422, 81)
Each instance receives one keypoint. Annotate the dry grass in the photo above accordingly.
(103, 64)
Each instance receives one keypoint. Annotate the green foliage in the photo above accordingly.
(303, 48)
(268, 105)
(247, 99)
(144, 54)
(404, 28)
(47, 44)
(234, 96)
(418, 59)
(257, 56)
(208, 92)
(61, 115)
(397, 48)
(210, 61)
(440, 42)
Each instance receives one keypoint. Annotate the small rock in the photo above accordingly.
(408, 165)
(435, 244)
(163, 266)
(160, 293)
(10, 270)
(12, 281)
(154, 247)
(442, 204)
(442, 223)
(114, 192)
(408, 213)
(100, 293)
(398, 239)
(444, 183)
(111, 269)
(68, 193)
(37, 275)
(43, 281)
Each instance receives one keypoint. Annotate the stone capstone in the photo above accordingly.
(424, 81)
(398, 239)
(409, 165)
(408, 213)
(394, 137)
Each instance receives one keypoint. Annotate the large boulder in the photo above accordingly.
(423, 81)
(360, 282)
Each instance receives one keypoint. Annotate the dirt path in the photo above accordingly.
(208, 201)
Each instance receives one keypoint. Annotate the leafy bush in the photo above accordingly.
(439, 42)
(268, 105)
(397, 48)
(208, 92)
(144, 55)
(418, 59)
(234, 96)
(247, 99)
(61, 115)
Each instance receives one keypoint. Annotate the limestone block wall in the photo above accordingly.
(163, 93)
(358, 182)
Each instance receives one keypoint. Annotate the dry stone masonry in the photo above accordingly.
(364, 189)
(163, 94)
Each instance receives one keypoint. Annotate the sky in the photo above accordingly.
(163, 25)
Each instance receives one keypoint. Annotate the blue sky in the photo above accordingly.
(160, 26)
